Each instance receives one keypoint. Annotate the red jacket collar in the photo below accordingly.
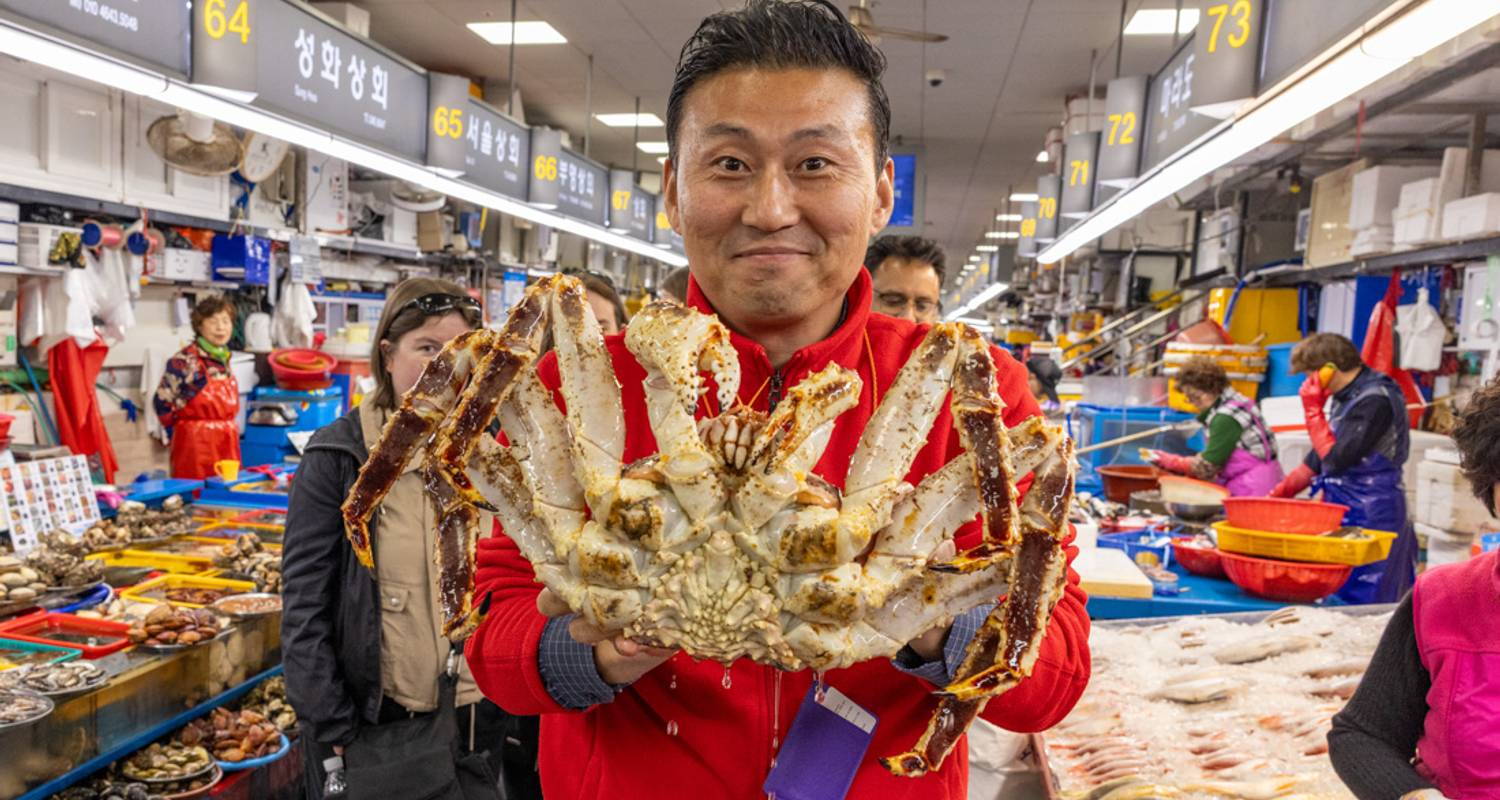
(843, 346)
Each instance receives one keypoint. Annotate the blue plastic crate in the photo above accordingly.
(1089, 423)
(241, 258)
(1280, 380)
(1145, 548)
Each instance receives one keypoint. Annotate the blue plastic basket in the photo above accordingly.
(252, 763)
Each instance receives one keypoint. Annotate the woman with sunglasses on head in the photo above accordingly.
(363, 647)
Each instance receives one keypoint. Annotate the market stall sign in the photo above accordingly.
(631, 208)
(1170, 122)
(546, 152)
(296, 62)
(904, 186)
(581, 185)
(1297, 30)
(153, 32)
(1048, 187)
(662, 234)
(1026, 245)
(465, 135)
(1226, 47)
(1080, 157)
(1124, 128)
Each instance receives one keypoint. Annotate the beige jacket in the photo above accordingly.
(413, 650)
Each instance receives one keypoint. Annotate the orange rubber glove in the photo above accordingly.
(1171, 462)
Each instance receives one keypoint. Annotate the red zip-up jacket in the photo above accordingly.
(724, 739)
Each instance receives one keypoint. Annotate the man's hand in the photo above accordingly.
(930, 644)
(619, 660)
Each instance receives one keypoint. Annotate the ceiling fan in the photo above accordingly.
(863, 20)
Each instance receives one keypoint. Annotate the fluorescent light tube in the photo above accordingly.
(652, 148)
(1158, 21)
(1042, 156)
(630, 120)
(988, 248)
(529, 32)
(1007, 217)
(1023, 197)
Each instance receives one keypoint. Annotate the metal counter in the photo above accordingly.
(147, 697)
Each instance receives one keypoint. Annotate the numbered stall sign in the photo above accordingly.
(1124, 130)
(467, 136)
(1226, 49)
(546, 149)
(1048, 188)
(1026, 245)
(1080, 155)
(151, 31)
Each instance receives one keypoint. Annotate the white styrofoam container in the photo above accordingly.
(1444, 547)
(1373, 240)
(1444, 501)
(10, 232)
(9, 212)
(1416, 226)
(1376, 191)
(9, 254)
(1468, 217)
(35, 244)
(181, 264)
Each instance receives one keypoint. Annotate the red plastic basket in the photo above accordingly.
(1284, 581)
(1197, 560)
(1280, 515)
(95, 638)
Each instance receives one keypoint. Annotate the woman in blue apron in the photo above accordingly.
(1359, 449)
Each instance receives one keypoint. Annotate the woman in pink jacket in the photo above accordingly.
(1425, 721)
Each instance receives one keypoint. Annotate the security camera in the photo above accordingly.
(935, 77)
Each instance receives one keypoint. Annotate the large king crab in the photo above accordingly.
(725, 544)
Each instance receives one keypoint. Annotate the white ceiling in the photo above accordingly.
(1010, 63)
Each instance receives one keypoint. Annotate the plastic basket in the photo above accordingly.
(166, 562)
(1283, 514)
(1284, 581)
(1146, 549)
(101, 637)
(153, 591)
(10, 649)
(1306, 547)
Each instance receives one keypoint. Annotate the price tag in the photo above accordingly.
(823, 749)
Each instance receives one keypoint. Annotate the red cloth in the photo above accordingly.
(1379, 350)
(725, 737)
(203, 431)
(73, 372)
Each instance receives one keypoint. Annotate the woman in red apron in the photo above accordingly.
(1240, 454)
(198, 396)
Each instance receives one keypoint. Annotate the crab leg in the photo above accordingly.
(591, 394)
(410, 427)
(674, 344)
(541, 450)
(1006, 647)
(456, 537)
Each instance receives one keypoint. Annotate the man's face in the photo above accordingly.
(907, 289)
(774, 191)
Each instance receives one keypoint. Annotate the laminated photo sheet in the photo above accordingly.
(40, 496)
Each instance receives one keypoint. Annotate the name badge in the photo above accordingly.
(823, 749)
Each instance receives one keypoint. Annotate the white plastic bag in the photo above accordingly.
(1422, 333)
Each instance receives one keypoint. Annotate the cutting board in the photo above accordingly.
(1107, 572)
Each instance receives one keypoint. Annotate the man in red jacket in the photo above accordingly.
(778, 176)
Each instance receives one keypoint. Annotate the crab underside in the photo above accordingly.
(725, 544)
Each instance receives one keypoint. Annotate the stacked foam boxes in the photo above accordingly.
(1422, 211)
(1244, 364)
(1446, 514)
(1373, 199)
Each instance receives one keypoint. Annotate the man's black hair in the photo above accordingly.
(910, 248)
(782, 34)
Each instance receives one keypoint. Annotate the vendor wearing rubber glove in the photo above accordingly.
(198, 397)
(1424, 723)
(1241, 453)
(1359, 447)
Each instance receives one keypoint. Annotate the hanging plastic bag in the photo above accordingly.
(1422, 334)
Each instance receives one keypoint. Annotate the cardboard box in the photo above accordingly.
(432, 234)
(1471, 217)
(1330, 236)
(1376, 191)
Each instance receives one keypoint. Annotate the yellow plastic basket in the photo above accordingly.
(227, 531)
(1356, 552)
(154, 590)
(166, 562)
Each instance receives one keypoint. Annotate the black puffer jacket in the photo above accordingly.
(330, 620)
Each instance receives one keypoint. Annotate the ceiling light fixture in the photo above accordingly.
(653, 148)
(1009, 235)
(529, 32)
(1023, 197)
(985, 295)
(662, 160)
(1042, 156)
(630, 120)
(1158, 22)
(1007, 217)
(988, 248)
(1356, 66)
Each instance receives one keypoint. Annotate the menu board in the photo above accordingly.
(154, 32)
(465, 135)
(297, 62)
(45, 495)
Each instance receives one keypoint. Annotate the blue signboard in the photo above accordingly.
(904, 214)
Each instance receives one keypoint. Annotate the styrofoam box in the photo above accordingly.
(1445, 501)
(1469, 217)
(1376, 191)
(1444, 547)
(1416, 226)
(181, 264)
(9, 253)
(1372, 240)
(8, 232)
(10, 212)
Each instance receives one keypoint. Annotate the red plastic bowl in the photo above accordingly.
(1284, 581)
(1197, 560)
(302, 369)
(1280, 515)
(1121, 481)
